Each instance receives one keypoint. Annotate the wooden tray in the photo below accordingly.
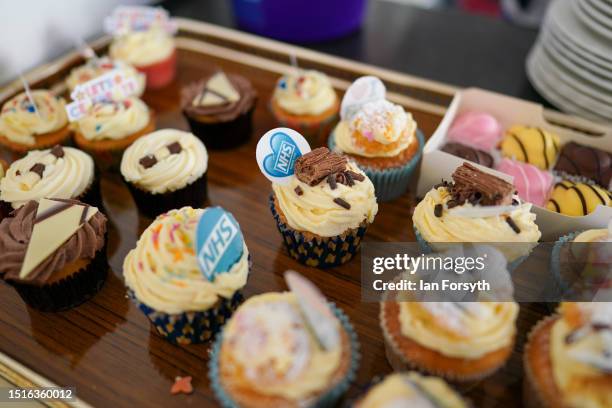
(107, 348)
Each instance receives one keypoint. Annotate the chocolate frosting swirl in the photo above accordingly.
(15, 233)
(223, 112)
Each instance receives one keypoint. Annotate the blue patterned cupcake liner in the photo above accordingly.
(329, 399)
(324, 252)
(391, 183)
(427, 249)
(555, 261)
(190, 327)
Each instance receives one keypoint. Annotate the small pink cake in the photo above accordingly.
(532, 184)
(476, 129)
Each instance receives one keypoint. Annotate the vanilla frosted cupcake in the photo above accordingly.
(26, 127)
(324, 209)
(410, 389)
(458, 341)
(166, 282)
(166, 169)
(383, 140)
(477, 207)
(61, 172)
(95, 67)
(150, 51)
(306, 101)
(110, 127)
(568, 359)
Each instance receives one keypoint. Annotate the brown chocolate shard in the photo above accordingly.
(316, 165)
(342, 203)
(174, 148)
(478, 187)
(38, 168)
(148, 161)
(58, 151)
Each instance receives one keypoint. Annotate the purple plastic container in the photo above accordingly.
(300, 20)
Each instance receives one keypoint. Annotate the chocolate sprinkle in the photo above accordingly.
(342, 203)
(38, 168)
(331, 180)
(601, 326)
(515, 201)
(298, 190)
(148, 161)
(513, 225)
(58, 151)
(174, 148)
(438, 210)
(356, 176)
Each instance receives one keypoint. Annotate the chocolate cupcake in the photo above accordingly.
(53, 252)
(469, 153)
(219, 109)
(580, 160)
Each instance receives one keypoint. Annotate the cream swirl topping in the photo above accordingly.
(114, 120)
(165, 160)
(316, 210)
(493, 229)
(305, 93)
(163, 270)
(280, 356)
(462, 330)
(379, 129)
(61, 172)
(142, 48)
(581, 350)
(20, 122)
(96, 67)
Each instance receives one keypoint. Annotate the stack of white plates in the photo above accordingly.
(571, 63)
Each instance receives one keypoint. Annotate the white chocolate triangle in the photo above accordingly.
(51, 233)
(218, 90)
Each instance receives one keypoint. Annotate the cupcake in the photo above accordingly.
(324, 209)
(53, 252)
(457, 341)
(151, 51)
(479, 130)
(165, 279)
(531, 145)
(95, 67)
(476, 207)
(384, 141)
(306, 101)
(24, 126)
(166, 169)
(219, 109)
(109, 127)
(468, 153)
(576, 199)
(60, 172)
(411, 389)
(533, 185)
(587, 162)
(4, 209)
(288, 349)
(568, 359)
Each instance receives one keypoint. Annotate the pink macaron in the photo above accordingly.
(479, 130)
(533, 185)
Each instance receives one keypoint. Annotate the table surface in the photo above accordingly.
(446, 44)
(107, 348)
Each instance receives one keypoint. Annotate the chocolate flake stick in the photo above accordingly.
(315, 166)
(492, 190)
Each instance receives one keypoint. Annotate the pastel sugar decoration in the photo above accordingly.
(533, 185)
(125, 19)
(479, 130)
(277, 151)
(219, 242)
(316, 309)
(363, 90)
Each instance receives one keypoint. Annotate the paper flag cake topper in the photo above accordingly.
(219, 242)
(56, 221)
(217, 91)
(315, 308)
(363, 90)
(277, 152)
(125, 19)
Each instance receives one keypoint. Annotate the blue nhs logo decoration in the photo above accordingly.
(277, 152)
(219, 242)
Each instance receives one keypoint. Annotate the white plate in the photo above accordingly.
(593, 19)
(602, 6)
(575, 49)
